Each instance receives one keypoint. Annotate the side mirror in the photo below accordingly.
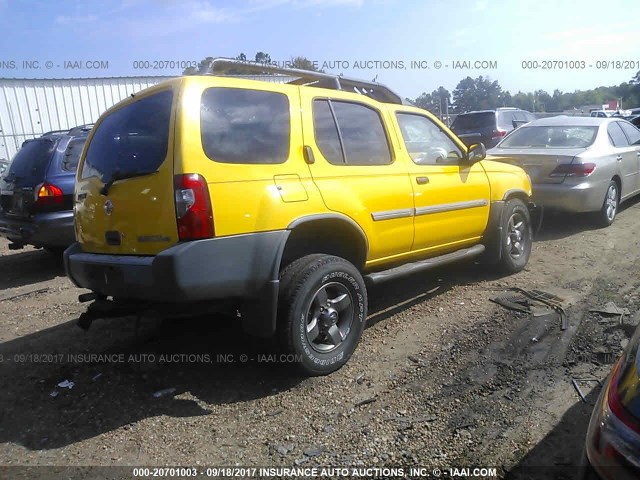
(476, 152)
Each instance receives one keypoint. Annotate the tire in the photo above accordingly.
(322, 309)
(516, 237)
(609, 210)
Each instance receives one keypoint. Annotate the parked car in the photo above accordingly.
(3, 165)
(577, 164)
(36, 191)
(282, 199)
(602, 113)
(489, 126)
(634, 119)
(613, 438)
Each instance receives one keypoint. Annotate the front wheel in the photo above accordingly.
(322, 312)
(516, 239)
(607, 213)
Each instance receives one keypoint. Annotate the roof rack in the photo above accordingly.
(80, 129)
(373, 90)
(54, 132)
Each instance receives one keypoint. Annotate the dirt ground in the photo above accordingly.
(443, 378)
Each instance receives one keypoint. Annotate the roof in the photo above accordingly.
(564, 120)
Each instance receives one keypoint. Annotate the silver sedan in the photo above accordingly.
(577, 164)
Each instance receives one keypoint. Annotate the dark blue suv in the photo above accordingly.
(36, 191)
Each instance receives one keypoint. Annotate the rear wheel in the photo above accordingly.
(607, 213)
(322, 312)
(515, 243)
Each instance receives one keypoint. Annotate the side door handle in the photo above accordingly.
(422, 180)
(619, 158)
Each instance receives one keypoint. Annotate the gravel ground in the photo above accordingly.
(443, 377)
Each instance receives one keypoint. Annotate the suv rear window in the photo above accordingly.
(32, 159)
(470, 121)
(131, 140)
(245, 126)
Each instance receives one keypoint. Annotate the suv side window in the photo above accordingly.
(616, 135)
(72, 155)
(426, 143)
(350, 133)
(505, 119)
(245, 126)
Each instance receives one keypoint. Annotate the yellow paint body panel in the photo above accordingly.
(248, 198)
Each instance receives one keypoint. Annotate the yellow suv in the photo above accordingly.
(281, 199)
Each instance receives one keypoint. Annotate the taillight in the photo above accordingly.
(573, 170)
(616, 406)
(193, 207)
(48, 194)
(498, 133)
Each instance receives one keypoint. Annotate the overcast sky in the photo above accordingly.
(356, 33)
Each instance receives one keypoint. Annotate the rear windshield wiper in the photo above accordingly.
(118, 175)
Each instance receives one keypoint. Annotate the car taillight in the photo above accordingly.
(573, 170)
(498, 133)
(616, 406)
(193, 207)
(48, 194)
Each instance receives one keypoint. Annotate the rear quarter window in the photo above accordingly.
(245, 126)
(72, 155)
(132, 139)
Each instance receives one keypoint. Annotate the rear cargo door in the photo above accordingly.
(26, 172)
(124, 196)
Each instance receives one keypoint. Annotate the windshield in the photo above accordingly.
(132, 139)
(470, 121)
(550, 137)
(32, 159)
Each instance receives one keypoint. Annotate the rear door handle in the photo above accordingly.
(422, 180)
(619, 158)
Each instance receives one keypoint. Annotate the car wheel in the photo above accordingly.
(322, 310)
(609, 209)
(517, 236)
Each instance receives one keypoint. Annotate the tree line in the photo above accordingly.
(482, 93)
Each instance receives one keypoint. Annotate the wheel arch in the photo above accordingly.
(332, 234)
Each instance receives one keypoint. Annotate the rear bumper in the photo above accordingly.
(41, 230)
(239, 266)
(581, 197)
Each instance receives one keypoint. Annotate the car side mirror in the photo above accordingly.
(476, 152)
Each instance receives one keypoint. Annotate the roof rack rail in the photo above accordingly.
(54, 132)
(80, 129)
(374, 90)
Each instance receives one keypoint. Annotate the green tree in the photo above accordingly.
(436, 101)
(478, 94)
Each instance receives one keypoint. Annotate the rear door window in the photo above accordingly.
(245, 126)
(350, 133)
(505, 119)
(132, 140)
(632, 133)
(616, 135)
